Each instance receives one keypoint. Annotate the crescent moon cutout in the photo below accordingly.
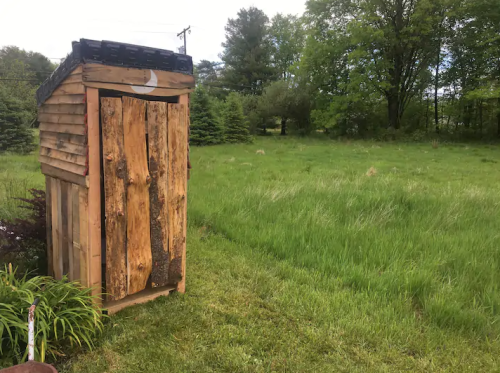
(149, 86)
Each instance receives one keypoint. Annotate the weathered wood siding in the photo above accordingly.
(158, 169)
(145, 186)
(63, 145)
(139, 259)
(142, 81)
(177, 190)
(67, 232)
(115, 172)
(145, 199)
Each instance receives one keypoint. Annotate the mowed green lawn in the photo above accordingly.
(320, 256)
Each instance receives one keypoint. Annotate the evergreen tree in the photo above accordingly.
(235, 126)
(205, 129)
(247, 52)
(15, 135)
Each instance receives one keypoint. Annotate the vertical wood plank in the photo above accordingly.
(75, 200)
(63, 226)
(48, 216)
(68, 231)
(84, 236)
(94, 200)
(177, 183)
(57, 260)
(184, 100)
(115, 172)
(158, 169)
(139, 258)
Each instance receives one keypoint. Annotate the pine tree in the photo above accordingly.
(15, 135)
(205, 129)
(247, 54)
(235, 126)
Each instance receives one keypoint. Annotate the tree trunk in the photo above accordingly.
(283, 126)
(481, 117)
(498, 118)
(436, 88)
(467, 115)
(427, 113)
(393, 110)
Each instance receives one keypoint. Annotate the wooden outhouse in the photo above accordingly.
(114, 126)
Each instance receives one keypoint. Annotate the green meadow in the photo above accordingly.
(311, 255)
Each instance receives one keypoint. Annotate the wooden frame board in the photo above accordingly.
(93, 72)
(94, 194)
(177, 192)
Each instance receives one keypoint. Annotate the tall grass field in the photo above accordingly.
(310, 255)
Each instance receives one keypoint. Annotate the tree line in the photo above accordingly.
(381, 69)
(21, 73)
(364, 68)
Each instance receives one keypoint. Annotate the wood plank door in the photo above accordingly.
(145, 183)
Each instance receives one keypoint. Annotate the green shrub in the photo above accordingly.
(65, 317)
(235, 126)
(205, 128)
(15, 134)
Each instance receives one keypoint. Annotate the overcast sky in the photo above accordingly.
(49, 26)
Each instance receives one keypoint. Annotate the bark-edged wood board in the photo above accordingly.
(158, 169)
(115, 174)
(139, 259)
(177, 188)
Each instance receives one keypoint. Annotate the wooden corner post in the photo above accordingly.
(94, 194)
(181, 286)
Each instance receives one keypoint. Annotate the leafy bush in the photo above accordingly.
(258, 123)
(24, 241)
(65, 317)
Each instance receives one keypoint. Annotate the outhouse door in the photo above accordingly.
(144, 157)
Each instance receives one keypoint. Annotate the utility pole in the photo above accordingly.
(182, 35)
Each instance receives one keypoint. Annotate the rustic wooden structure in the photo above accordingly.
(114, 124)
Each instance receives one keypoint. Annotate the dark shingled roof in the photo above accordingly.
(115, 54)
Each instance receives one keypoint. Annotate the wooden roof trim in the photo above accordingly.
(158, 92)
(148, 78)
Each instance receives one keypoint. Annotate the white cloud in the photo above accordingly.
(50, 26)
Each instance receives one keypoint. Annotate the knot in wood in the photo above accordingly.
(131, 181)
(109, 158)
(141, 266)
(119, 213)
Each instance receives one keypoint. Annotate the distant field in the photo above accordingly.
(400, 222)
(322, 256)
